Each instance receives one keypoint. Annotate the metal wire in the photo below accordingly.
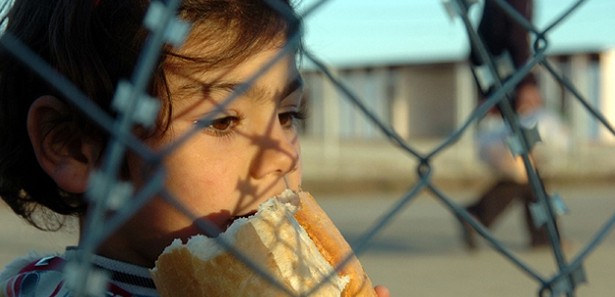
(564, 281)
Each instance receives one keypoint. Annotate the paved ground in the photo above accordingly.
(419, 253)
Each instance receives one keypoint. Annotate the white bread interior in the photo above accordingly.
(272, 240)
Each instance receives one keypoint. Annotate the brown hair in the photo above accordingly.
(95, 44)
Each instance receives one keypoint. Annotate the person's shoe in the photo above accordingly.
(566, 245)
(537, 246)
(468, 235)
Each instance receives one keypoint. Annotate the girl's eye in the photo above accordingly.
(290, 118)
(222, 126)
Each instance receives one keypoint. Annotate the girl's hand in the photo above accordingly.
(382, 291)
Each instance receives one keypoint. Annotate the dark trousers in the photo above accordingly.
(498, 198)
(501, 33)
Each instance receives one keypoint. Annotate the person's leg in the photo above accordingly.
(495, 200)
(538, 236)
(489, 206)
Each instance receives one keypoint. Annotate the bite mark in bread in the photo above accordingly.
(290, 238)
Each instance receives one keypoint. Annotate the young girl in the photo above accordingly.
(245, 150)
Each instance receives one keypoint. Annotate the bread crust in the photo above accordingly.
(333, 246)
(178, 269)
(178, 273)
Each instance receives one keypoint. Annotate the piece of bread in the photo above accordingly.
(290, 239)
(333, 246)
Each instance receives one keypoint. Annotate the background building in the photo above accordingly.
(407, 62)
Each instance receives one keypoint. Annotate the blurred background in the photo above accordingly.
(408, 62)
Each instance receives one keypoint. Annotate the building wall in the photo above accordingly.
(416, 101)
(588, 75)
(607, 93)
(431, 92)
(430, 101)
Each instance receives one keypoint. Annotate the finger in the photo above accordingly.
(382, 291)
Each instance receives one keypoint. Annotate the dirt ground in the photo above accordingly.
(419, 253)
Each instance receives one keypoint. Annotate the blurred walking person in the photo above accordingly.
(508, 44)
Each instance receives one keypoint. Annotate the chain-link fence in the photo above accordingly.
(109, 193)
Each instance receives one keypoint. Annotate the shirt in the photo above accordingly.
(48, 276)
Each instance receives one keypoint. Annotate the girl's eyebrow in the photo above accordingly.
(258, 93)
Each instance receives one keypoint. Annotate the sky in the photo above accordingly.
(370, 32)
(350, 32)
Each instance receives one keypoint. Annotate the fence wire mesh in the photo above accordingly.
(110, 195)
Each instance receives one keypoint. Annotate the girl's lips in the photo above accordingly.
(234, 218)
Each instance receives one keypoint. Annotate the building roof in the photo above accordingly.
(367, 32)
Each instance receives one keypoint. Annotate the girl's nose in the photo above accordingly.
(277, 152)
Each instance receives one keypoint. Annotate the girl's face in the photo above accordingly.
(232, 164)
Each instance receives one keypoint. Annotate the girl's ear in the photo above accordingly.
(61, 150)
